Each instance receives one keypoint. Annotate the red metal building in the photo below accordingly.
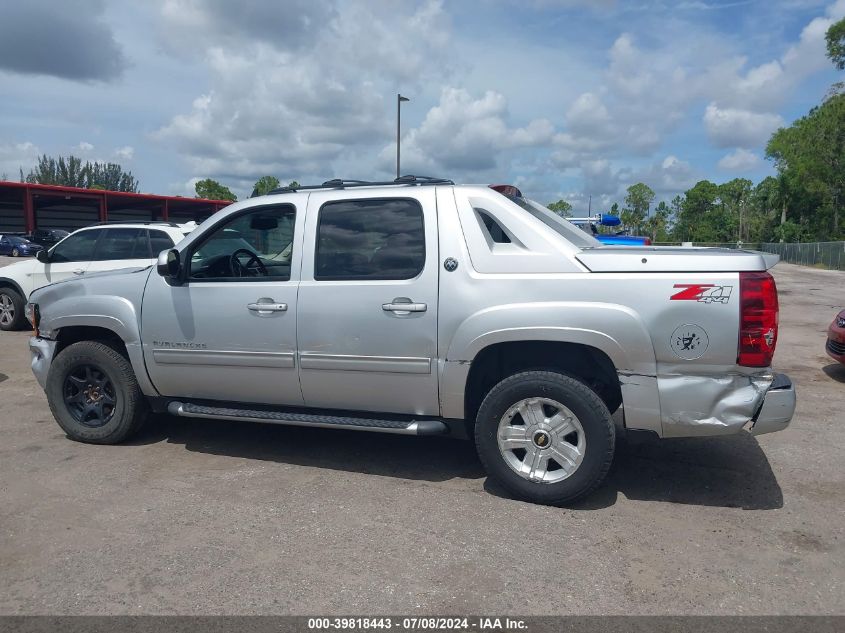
(25, 207)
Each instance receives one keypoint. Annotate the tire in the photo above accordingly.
(93, 394)
(15, 253)
(566, 423)
(11, 310)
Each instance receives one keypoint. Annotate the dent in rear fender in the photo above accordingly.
(629, 347)
(710, 405)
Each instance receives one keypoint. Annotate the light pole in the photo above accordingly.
(399, 100)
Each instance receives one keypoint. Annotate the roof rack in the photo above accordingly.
(338, 183)
(158, 222)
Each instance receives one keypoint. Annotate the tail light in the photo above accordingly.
(758, 319)
(647, 241)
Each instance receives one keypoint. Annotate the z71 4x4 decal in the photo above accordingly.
(703, 293)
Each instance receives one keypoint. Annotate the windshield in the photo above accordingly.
(560, 225)
(18, 240)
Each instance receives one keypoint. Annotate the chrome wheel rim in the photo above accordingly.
(15, 252)
(541, 440)
(7, 310)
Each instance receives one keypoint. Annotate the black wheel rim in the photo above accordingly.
(89, 395)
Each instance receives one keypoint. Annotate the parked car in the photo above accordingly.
(836, 338)
(17, 246)
(93, 249)
(48, 237)
(421, 307)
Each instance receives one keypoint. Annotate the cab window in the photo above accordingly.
(124, 243)
(257, 244)
(370, 239)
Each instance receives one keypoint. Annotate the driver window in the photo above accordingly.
(254, 245)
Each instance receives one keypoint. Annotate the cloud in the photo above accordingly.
(282, 25)
(125, 153)
(667, 177)
(740, 160)
(732, 127)
(269, 111)
(464, 134)
(17, 156)
(70, 40)
(84, 147)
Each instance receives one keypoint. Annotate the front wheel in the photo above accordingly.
(93, 394)
(546, 437)
(15, 252)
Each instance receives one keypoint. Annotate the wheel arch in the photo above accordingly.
(5, 282)
(98, 317)
(499, 360)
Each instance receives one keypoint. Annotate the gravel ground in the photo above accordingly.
(203, 517)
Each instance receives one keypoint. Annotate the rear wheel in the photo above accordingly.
(94, 395)
(11, 309)
(545, 436)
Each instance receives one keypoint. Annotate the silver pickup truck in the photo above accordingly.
(421, 307)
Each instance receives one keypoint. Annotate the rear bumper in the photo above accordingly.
(778, 407)
(41, 350)
(701, 406)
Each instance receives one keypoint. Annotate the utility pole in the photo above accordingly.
(399, 100)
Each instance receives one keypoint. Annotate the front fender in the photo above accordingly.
(616, 330)
(68, 305)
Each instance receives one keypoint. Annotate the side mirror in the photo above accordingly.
(43, 256)
(169, 264)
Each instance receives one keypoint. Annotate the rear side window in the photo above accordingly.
(159, 241)
(122, 244)
(370, 239)
(78, 247)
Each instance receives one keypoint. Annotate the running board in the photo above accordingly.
(378, 425)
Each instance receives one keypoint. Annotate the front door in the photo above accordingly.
(368, 302)
(228, 333)
(69, 258)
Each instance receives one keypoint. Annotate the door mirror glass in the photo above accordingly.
(169, 264)
(42, 256)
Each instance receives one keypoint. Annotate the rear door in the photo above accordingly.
(121, 247)
(367, 310)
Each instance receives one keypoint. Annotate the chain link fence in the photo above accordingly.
(827, 254)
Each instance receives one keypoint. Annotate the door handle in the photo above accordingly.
(267, 305)
(78, 271)
(404, 307)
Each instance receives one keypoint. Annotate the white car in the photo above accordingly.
(109, 246)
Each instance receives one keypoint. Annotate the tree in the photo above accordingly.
(562, 208)
(810, 158)
(657, 223)
(637, 202)
(264, 185)
(213, 190)
(835, 39)
(293, 185)
(70, 171)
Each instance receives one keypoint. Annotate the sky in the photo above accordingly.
(564, 98)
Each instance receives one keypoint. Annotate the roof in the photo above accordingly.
(102, 193)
